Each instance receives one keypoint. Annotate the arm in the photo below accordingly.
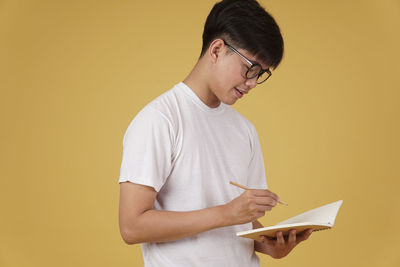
(280, 247)
(139, 222)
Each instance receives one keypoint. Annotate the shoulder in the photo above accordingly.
(160, 108)
(166, 105)
(157, 116)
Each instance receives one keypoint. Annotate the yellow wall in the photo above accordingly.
(74, 73)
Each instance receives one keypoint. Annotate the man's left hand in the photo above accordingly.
(281, 246)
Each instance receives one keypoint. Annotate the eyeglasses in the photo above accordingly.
(255, 69)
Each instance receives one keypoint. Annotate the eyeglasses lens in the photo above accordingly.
(263, 77)
(253, 71)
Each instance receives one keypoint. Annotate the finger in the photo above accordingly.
(279, 238)
(264, 193)
(266, 201)
(304, 236)
(292, 236)
(259, 214)
(262, 208)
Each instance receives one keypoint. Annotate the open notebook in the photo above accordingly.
(318, 219)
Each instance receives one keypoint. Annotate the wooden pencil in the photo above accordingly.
(246, 188)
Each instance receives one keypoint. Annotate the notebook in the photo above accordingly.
(320, 218)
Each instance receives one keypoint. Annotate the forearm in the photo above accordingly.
(140, 222)
(163, 226)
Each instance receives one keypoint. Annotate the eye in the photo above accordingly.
(253, 71)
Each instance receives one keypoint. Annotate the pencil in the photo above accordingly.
(246, 188)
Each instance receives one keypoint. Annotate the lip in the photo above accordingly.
(242, 91)
(238, 95)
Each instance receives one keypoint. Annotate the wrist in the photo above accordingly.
(222, 216)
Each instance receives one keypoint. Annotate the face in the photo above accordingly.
(230, 82)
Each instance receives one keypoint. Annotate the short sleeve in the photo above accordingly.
(147, 149)
(256, 171)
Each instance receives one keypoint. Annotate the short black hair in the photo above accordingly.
(246, 25)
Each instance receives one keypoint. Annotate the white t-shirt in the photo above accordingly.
(188, 152)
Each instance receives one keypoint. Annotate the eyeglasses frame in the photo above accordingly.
(251, 65)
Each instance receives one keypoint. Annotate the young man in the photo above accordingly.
(183, 148)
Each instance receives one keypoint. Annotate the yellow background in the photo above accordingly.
(73, 74)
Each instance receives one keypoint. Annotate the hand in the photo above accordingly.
(280, 247)
(249, 206)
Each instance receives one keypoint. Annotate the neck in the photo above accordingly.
(198, 81)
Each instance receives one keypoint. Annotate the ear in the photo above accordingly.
(216, 49)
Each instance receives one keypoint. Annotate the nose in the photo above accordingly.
(251, 83)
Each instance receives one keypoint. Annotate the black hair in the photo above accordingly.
(245, 24)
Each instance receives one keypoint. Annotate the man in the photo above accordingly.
(183, 148)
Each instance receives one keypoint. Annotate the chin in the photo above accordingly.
(229, 102)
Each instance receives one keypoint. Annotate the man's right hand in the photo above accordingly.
(249, 206)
